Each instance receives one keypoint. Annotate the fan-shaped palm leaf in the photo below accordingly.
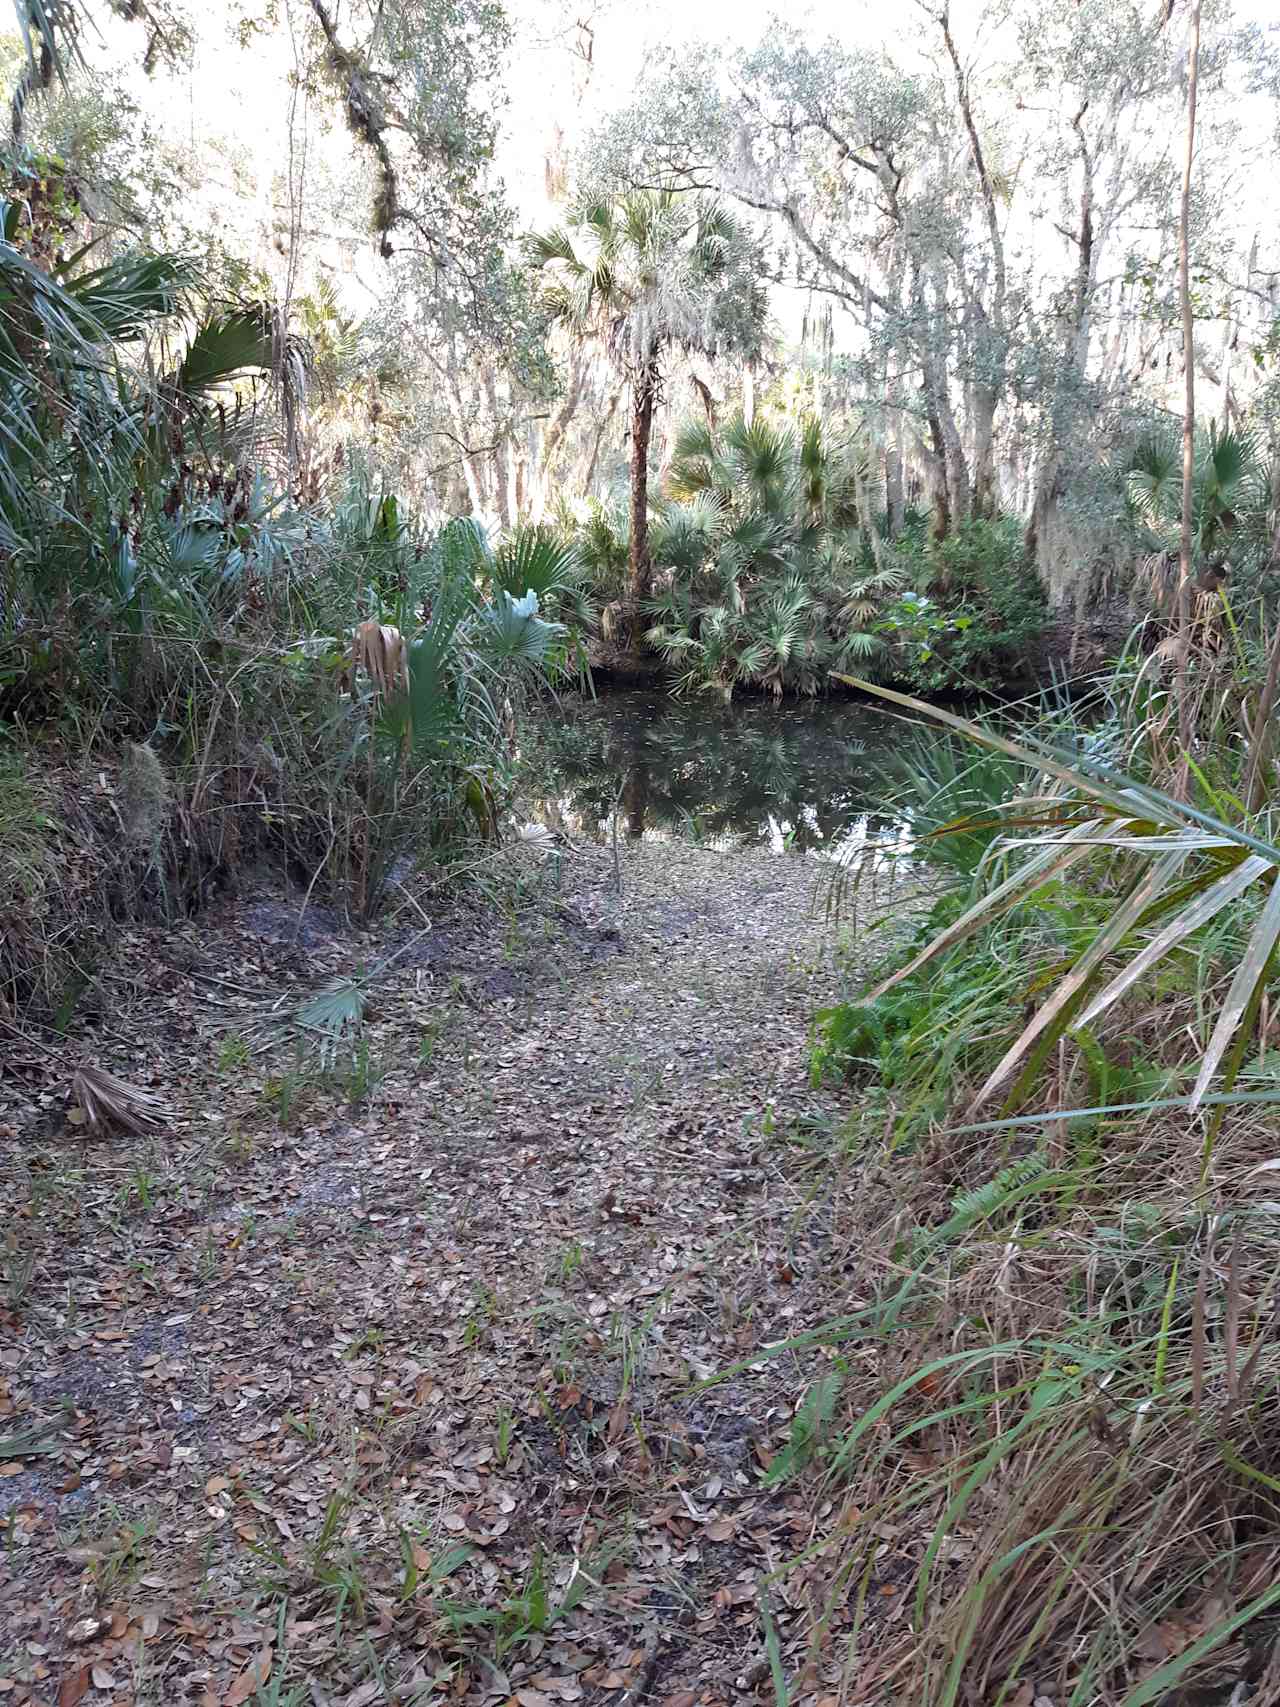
(71, 406)
(1154, 477)
(1188, 869)
(52, 27)
(765, 457)
(535, 560)
(683, 535)
(752, 541)
(512, 631)
(461, 551)
(227, 344)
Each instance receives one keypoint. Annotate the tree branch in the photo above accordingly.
(366, 120)
(943, 19)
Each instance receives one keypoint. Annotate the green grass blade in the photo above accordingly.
(1252, 968)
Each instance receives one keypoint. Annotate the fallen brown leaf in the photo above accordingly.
(87, 1629)
(254, 1675)
(74, 1687)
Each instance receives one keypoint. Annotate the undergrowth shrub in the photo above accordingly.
(1055, 1424)
(193, 692)
(29, 854)
(215, 671)
(251, 739)
(972, 612)
(774, 567)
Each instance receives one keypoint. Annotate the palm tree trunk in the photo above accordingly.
(641, 569)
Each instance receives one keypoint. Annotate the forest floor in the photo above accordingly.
(388, 1383)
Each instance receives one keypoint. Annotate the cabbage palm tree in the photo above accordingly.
(653, 272)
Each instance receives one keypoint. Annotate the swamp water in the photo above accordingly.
(803, 776)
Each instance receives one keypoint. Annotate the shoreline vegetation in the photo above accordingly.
(903, 1344)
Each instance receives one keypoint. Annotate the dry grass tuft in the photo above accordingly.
(1063, 1436)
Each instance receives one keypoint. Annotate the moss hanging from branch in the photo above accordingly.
(367, 120)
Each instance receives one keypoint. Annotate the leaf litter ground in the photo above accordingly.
(387, 1385)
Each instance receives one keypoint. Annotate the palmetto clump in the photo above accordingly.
(773, 572)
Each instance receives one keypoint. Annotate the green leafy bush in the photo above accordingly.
(973, 611)
(773, 569)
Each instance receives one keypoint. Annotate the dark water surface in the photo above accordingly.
(804, 775)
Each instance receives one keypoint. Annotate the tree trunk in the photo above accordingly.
(894, 484)
(555, 433)
(943, 426)
(1050, 544)
(602, 427)
(985, 496)
(934, 457)
(986, 323)
(1186, 592)
(635, 797)
(1053, 545)
(501, 465)
(644, 398)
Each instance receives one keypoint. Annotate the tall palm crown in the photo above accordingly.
(646, 271)
(652, 271)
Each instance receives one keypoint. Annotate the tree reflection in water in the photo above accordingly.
(801, 776)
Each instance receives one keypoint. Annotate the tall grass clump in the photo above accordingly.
(1058, 1433)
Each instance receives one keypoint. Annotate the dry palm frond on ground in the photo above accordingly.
(105, 1102)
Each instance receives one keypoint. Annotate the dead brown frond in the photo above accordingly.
(379, 649)
(105, 1102)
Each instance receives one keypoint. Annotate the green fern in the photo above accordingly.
(810, 1427)
(986, 1202)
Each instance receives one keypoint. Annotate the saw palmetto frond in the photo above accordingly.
(106, 1102)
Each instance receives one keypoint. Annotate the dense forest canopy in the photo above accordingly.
(960, 222)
